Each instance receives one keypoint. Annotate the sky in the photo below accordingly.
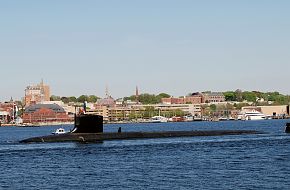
(172, 46)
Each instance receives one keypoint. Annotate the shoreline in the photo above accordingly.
(123, 122)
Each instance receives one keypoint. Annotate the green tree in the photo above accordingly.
(93, 98)
(55, 98)
(249, 96)
(149, 112)
(148, 99)
(239, 95)
(240, 105)
(213, 107)
(179, 113)
(65, 100)
(82, 98)
(72, 99)
(230, 96)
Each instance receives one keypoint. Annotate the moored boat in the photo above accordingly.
(158, 119)
(253, 115)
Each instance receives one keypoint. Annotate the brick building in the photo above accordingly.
(45, 113)
(195, 98)
(35, 94)
(172, 100)
(212, 97)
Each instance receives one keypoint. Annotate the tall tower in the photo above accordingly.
(137, 95)
(42, 94)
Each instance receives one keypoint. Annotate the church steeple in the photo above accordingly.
(107, 92)
(137, 95)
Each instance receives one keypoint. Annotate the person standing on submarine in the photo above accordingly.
(83, 109)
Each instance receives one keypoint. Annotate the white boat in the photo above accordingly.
(188, 118)
(158, 119)
(253, 115)
(59, 131)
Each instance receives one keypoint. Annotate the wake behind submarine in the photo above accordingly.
(89, 128)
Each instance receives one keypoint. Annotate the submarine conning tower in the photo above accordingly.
(87, 123)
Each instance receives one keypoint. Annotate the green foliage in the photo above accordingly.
(81, 99)
(65, 100)
(149, 112)
(91, 98)
(230, 96)
(72, 99)
(240, 105)
(148, 98)
(178, 113)
(164, 95)
(213, 107)
(255, 96)
(239, 95)
(55, 98)
(249, 96)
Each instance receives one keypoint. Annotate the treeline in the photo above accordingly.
(148, 98)
(142, 98)
(82, 98)
(257, 97)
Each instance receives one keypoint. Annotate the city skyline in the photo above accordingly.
(160, 46)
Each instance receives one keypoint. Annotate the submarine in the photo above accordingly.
(89, 128)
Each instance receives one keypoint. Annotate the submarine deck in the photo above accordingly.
(98, 137)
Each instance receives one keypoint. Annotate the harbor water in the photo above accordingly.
(260, 161)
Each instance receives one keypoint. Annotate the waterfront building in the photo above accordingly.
(35, 94)
(196, 98)
(275, 110)
(4, 116)
(212, 97)
(69, 108)
(127, 112)
(191, 109)
(8, 112)
(279, 110)
(45, 113)
(173, 100)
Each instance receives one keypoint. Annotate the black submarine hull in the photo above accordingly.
(89, 128)
(99, 137)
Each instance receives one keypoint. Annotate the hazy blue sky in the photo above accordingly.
(79, 47)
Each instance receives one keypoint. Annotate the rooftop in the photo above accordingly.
(33, 108)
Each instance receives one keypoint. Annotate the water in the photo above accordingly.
(222, 162)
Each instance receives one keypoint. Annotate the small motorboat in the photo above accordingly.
(59, 131)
